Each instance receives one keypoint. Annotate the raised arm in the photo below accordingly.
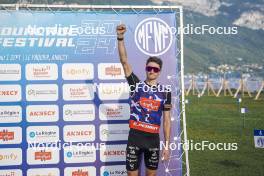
(167, 126)
(120, 30)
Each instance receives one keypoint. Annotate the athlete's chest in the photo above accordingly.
(151, 101)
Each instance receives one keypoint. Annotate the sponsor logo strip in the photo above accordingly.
(10, 72)
(78, 71)
(113, 153)
(10, 93)
(10, 156)
(150, 128)
(78, 112)
(114, 111)
(114, 132)
(80, 171)
(42, 134)
(116, 170)
(41, 72)
(108, 71)
(42, 113)
(75, 154)
(10, 135)
(11, 172)
(79, 133)
(42, 92)
(38, 156)
(113, 91)
(10, 114)
(75, 92)
(43, 172)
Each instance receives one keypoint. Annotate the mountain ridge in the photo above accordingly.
(203, 52)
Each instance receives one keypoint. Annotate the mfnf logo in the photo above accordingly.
(153, 36)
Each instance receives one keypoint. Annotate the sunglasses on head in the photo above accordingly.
(155, 69)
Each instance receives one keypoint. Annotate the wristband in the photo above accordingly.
(120, 38)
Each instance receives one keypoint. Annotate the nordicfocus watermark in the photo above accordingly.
(59, 145)
(190, 145)
(206, 29)
(153, 36)
(201, 145)
(125, 87)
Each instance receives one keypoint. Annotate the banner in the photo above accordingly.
(63, 106)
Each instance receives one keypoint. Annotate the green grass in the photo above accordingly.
(218, 120)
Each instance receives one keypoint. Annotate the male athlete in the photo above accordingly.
(148, 104)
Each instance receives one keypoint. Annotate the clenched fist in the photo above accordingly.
(120, 30)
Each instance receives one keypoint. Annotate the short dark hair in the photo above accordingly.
(154, 59)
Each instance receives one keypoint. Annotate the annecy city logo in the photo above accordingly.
(153, 36)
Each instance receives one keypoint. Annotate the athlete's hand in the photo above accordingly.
(120, 30)
(165, 155)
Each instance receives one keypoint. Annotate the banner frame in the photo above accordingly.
(73, 7)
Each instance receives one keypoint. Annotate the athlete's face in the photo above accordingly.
(152, 70)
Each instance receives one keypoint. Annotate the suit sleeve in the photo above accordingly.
(132, 80)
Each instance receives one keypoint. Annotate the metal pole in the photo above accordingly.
(183, 95)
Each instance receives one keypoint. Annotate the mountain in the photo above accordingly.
(242, 49)
(204, 51)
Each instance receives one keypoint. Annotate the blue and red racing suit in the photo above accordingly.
(146, 106)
